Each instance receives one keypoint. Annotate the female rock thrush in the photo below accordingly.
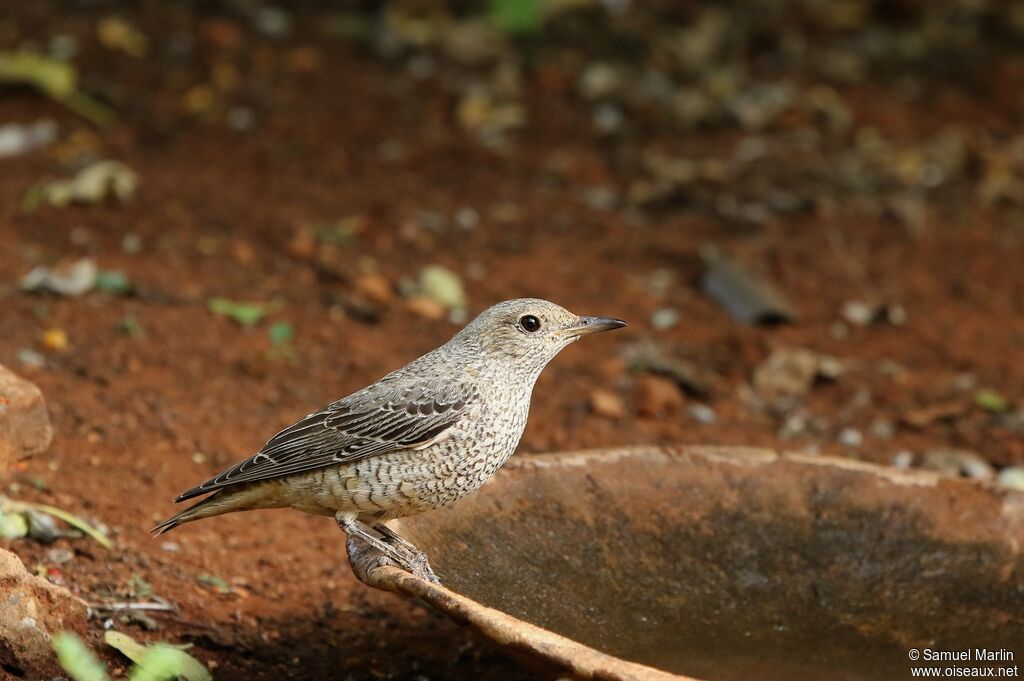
(418, 439)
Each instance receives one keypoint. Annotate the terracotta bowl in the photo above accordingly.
(722, 564)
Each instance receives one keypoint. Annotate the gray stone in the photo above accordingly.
(31, 611)
(24, 422)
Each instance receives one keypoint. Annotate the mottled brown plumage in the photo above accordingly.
(420, 438)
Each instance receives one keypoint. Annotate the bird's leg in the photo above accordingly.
(414, 562)
(397, 540)
(414, 555)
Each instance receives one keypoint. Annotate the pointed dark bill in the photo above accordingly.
(589, 325)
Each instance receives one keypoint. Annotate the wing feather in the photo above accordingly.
(385, 417)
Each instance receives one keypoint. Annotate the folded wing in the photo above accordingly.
(385, 417)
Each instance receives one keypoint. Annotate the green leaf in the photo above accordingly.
(13, 525)
(443, 286)
(112, 281)
(165, 663)
(157, 662)
(246, 314)
(990, 400)
(214, 582)
(53, 77)
(74, 521)
(77, 660)
(280, 333)
(138, 587)
(338, 233)
(518, 16)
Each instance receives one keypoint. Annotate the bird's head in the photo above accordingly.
(529, 332)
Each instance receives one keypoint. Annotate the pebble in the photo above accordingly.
(858, 313)
(600, 80)
(658, 396)
(702, 413)
(665, 318)
(1011, 478)
(792, 372)
(427, 308)
(31, 358)
(25, 428)
(883, 429)
(903, 459)
(957, 462)
(607, 404)
(273, 22)
(131, 243)
(608, 118)
(241, 119)
(376, 288)
(55, 339)
(851, 437)
(442, 286)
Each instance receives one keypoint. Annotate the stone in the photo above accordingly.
(24, 422)
(792, 371)
(958, 463)
(1011, 478)
(658, 396)
(376, 288)
(607, 404)
(428, 308)
(31, 611)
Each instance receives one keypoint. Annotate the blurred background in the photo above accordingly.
(217, 216)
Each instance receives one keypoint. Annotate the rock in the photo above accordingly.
(792, 372)
(607, 404)
(442, 286)
(601, 81)
(31, 611)
(92, 184)
(665, 318)
(692, 377)
(376, 288)
(473, 42)
(702, 413)
(903, 459)
(1011, 478)
(24, 422)
(55, 339)
(70, 278)
(957, 462)
(427, 308)
(658, 396)
(303, 244)
(851, 437)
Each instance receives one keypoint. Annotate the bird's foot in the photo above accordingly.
(391, 546)
(415, 560)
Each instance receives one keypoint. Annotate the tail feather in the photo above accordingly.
(210, 506)
(243, 497)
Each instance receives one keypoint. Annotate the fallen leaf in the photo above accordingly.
(66, 279)
(246, 314)
(442, 286)
(117, 34)
(92, 184)
(76, 658)
(158, 661)
(990, 400)
(280, 333)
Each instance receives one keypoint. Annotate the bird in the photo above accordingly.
(418, 439)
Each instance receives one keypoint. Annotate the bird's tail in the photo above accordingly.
(215, 504)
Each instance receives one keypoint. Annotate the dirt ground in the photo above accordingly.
(244, 140)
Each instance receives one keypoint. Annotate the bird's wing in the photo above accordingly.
(385, 417)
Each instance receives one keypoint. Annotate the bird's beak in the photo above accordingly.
(588, 325)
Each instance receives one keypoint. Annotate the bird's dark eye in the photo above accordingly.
(529, 323)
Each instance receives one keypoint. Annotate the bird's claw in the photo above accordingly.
(414, 560)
